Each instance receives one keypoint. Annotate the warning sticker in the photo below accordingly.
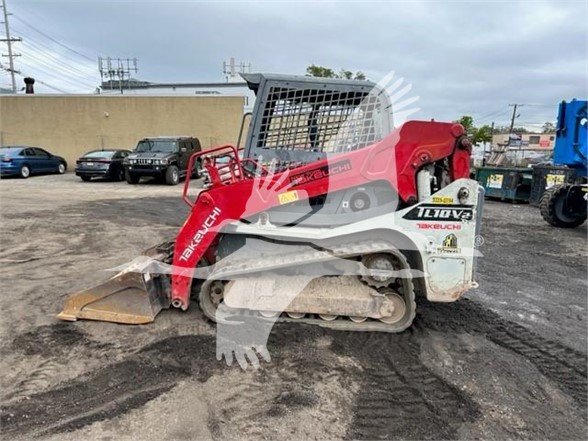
(551, 180)
(494, 181)
(442, 199)
(449, 245)
(289, 196)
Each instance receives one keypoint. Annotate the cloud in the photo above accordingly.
(461, 57)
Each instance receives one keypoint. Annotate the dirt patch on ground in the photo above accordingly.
(508, 361)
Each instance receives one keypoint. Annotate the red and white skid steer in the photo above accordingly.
(326, 192)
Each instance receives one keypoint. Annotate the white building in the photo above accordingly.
(136, 87)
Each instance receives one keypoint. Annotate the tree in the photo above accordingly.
(467, 122)
(477, 135)
(346, 74)
(326, 72)
(483, 134)
(502, 130)
(519, 130)
(548, 127)
(320, 71)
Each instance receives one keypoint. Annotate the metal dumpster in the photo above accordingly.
(506, 184)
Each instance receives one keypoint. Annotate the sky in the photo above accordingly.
(473, 58)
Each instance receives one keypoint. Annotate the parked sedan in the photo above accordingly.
(24, 161)
(103, 163)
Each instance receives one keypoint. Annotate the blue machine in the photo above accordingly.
(571, 136)
(565, 205)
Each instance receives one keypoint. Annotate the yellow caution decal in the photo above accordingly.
(552, 180)
(495, 181)
(442, 200)
(289, 196)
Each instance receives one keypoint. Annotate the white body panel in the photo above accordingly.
(441, 230)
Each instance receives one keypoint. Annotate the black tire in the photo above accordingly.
(552, 208)
(86, 178)
(132, 178)
(197, 174)
(61, 168)
(25, 171)
(120, 175)
(172, 175)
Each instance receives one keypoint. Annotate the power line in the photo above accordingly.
(49, 51)
(49, 70)
(493, 116)
(56, 65)
(47, 58)
(39, 81)
(62, 68)
(52, 39)
(540, 105)
(48, 85)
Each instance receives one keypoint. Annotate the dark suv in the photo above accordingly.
(164, 158)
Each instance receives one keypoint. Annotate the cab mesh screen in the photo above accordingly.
(320, 120)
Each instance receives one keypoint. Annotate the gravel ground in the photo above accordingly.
(507, 361)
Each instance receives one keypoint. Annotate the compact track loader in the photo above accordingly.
(327, 198)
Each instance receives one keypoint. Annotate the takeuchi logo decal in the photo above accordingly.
(321, 172)
(438, 226)
(199, 235)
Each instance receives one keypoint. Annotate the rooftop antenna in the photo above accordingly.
(117, 68)
(231, 69)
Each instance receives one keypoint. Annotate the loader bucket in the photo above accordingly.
(134, 296)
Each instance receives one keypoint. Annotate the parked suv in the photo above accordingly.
(165, 158)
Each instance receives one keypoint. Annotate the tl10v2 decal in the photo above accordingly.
(440, 213)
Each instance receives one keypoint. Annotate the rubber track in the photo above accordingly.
(236, 268)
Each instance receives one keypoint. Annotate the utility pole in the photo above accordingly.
(514, 115)
(9, 42)
(491, 142)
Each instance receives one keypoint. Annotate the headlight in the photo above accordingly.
(163, 161)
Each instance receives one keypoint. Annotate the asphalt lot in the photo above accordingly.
(507, 361)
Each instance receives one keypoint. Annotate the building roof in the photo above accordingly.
(136, 84)
(251, 80)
